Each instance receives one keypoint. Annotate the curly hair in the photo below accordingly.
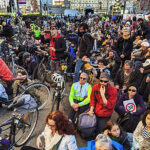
(63, 125)
(144, 117)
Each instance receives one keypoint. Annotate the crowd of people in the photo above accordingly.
(117, 53)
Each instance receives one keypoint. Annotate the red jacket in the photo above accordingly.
(4, 70)
(111, 96)
(52, 44)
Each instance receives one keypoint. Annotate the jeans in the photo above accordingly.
(101, 121)
(78, 67)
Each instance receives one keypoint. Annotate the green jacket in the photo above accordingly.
(80, 93)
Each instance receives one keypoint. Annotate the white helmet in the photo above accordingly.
(56, 77)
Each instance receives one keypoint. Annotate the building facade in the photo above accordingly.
(98, 5)
(3, 6)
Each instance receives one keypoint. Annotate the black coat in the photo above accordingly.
(86, 45)
(124, 47)
(135, 78)
(60, 47)
(7, 31)
(123, 140)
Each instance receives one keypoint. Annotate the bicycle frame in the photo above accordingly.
(10, 121)
(13, 121)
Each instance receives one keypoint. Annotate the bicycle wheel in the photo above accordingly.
(55, 102)
(39, 92)
(25, 127)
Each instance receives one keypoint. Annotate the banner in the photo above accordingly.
(129, 105)
(58, 2)
(21, 1)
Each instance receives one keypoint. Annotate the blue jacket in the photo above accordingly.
(91, 146)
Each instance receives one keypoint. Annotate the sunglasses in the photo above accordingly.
(104, 81)
(132, 90)
(82, 78)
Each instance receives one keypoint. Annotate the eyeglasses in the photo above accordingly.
(131, 90)
(82, 78)
(104, 81)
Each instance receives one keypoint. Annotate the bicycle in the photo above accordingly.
(59, 88)
(19, 127)
(39, 91)
(42, 68)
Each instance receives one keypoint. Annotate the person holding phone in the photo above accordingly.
(102, 101)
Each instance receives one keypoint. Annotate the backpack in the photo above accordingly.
(128, 122)
(87, 125)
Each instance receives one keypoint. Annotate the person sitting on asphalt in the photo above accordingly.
(139, 56)
(142, 133)
(101, 68)
(115, 133)
(127, 75)
(102, 101)
(135, 111)
(79, 97)
(102, 142)
(58, 134)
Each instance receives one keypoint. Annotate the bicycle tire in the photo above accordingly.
(55, 103)
(40, 92)
(26, 126)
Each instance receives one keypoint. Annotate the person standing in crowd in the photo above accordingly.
(58, 134)
(102, 102)
(124, 48)
(57, 48)
(79, 97)
(84, 48)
